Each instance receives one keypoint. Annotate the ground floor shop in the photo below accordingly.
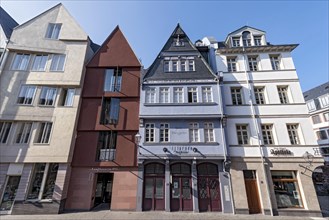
(282, 186)
(32, 188)
(183, 185)
(102, 188)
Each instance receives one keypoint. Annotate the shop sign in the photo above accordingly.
(280, 152)
(181, 149)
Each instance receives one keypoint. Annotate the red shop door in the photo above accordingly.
(209, 194)
(154, 194)
(181, 194)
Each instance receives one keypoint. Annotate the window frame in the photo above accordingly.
(45, 134)
(112, 80)
(46, 96)
(324, 100)
(192, 95)
(150, 95)
(209, 136)
(207, 94)
(59, 61)
(259, 92)
(43, 56)
(164, 133)
(293, 134)
(164, 95)
(235, 96)
(275, 61)
(231, 64)
(258, 40)
(194, 135)
(236, 42)
(320, 135)
(253, 63)
(242, 133)
(106, 144)
(110, 111)
(5, 131)
(178, 95)
(21, 127)
(27, 92)
(283, 94)
(316, 119)
(311, 105)
(51, 34)
(149, 133)
(19, 66)
(267, 134)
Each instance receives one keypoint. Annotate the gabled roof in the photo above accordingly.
(245, 27)
(114, 52)
(7, 22)
(316, 92)
(156, 70)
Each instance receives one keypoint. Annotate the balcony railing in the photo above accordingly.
(106, 154)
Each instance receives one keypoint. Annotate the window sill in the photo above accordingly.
(40, 144)
(39, 201)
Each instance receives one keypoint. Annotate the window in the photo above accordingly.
(174, 66)
(286, 189)
(242, 134)
(324, 100)
(311, 105)
(26, 95)
(236, 41)
(322, 135)
(150, 95)
(178, 42)
(47, 96)
(106, 147)
(164, 132)
(164, 95)
(43, 181)
(206, 94)
(246, 39)
(275, 62)
(67, 96)
(166, 66)
(182, 65)
(110, 111)
(236, 96)
(191, 65)
(259, 95)
(178, 95)
(316, 119)
(293, 133)
(257, 40)
(231, 64)
(194, 132)
(209, 132)
(326, 116)
(39, 63)
(53, 30)
(149, 132)
(23, 132)
(267, 134)
(57, 62)
(4, 131)
(283, 94)
(113, 80)
(21, 61)
(253, 63)
(192, 95)
(43, 134)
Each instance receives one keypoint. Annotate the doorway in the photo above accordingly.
(181, 188)
(252, 191)
(9, 194)
(208, 188)
(103, 191)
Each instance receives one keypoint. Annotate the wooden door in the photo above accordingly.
(209, 194)
(154, 194)
(181, 194)
(252, 196)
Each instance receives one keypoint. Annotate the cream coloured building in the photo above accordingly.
(269, 134)
(40, 91)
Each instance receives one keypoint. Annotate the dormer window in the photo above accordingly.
(178, 64)
(258, 40)
(235, 41)
(246, 38)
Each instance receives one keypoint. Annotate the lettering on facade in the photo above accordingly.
(181, 149)
(178, 132)
(104, 169)
(317, 151)
(280, 151)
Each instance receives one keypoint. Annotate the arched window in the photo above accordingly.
(207, 169)
(180, 168)
(246, 38)
(155, 169)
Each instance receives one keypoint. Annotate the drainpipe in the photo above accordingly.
(226, 159)
(252, 108)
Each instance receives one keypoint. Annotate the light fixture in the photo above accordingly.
(165, 150)
(137, 138)
(195, 149)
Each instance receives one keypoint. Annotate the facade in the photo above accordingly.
(104, 166)
(7, 24)
(268, 131)
(182, 151)
(317, 100)
(40, 88)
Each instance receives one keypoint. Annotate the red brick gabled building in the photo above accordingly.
(104, 167)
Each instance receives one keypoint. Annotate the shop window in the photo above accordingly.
(207, 169)
(155, 168)
(180, 168)
(286, 189)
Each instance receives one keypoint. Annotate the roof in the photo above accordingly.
(316, 92)
(7, 22)
(245, 27)
(170, 49)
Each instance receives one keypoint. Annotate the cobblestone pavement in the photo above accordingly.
(148, 215)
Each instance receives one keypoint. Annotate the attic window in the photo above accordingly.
(246, 38)
(178, 42)
(53, 30)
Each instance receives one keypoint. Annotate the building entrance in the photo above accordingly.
(181, 188)
(103, 191)
(250, 181)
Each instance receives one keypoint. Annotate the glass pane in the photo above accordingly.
(35, 186)
(175, 188)
(69, 97)
(114, 110)
(159, 192)
(212, 169)
(109, 80)
(175, 169)
(202, 169)
(185, 169)
(148, 188)
(286, 194)
(214, 188)
(9, 193)
(50, 182)
(159, 169)
(149, 169)
(282, 175)
(249, 174)
(186, 188)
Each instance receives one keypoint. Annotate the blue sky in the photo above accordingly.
(148, 24)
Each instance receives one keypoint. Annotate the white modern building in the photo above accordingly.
(269, 135)
(40, 90)
(317, 100)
